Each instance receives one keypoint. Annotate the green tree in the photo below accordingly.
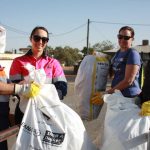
(103, 46)
(67, 55)
(100, 47)
(29, 46)
(50, 51)
(89, 51)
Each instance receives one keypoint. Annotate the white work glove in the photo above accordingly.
(27, 90)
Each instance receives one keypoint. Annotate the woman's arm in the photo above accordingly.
(130, 73)
(61, 88)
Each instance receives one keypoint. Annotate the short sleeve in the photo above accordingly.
(134, 58)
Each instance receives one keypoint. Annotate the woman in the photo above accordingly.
(126, 65)
(37, 57)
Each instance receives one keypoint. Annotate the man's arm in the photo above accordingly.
(6, 89)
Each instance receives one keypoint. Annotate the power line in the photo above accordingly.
(119, 23)
(16, 37)
(79, 41)
(14, 29)
(99, 32)
(53, 35)
(61, 34)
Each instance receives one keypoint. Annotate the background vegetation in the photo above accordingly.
(69, 56)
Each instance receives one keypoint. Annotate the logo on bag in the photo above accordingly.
(30, 130)
(53, 138)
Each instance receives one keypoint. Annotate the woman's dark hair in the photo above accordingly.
(37, 28)
(128, 28)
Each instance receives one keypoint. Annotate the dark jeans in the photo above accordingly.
(18, 114)
(4, 121)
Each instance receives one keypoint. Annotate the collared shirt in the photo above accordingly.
(52, 67)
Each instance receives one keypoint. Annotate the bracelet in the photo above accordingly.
(14, 88)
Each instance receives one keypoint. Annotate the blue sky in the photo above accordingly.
(67, 20)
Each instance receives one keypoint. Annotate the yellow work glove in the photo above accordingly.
(145, 109)
(27, 90)
(97, 98)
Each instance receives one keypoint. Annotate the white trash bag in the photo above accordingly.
(2, 39)
(124, 128)
(91, 77)
(48, 124)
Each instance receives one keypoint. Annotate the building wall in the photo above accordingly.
(6, 61)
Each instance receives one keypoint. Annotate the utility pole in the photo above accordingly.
(87, 46)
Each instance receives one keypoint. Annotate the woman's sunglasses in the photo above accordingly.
(123, 37)
(37, 38)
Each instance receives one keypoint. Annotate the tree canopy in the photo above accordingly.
(70, 56)
(100, 47)
(67, 55)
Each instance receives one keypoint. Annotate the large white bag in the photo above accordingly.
(2, 39)
(124, 128)
(48, 124)
(91, 77)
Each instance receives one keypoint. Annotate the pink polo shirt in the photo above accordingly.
(52, 67)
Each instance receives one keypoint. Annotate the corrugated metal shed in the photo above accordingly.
(139, 48)
(143, 48)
